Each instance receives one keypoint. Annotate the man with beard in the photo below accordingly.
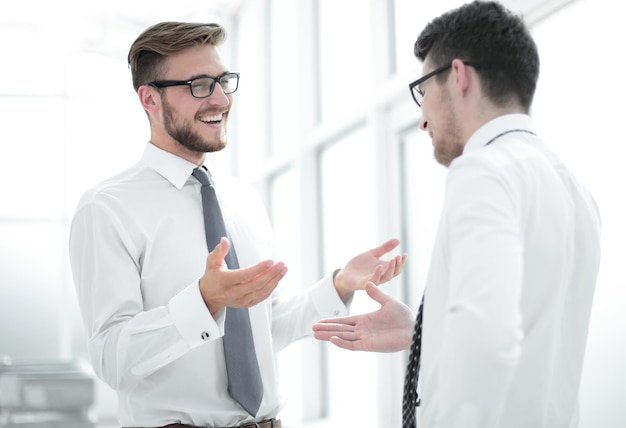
(503, 324)
(154, 299)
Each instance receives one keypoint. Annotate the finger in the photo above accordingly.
(216, 257)
(323, 335)
(377, 275)
(401, 261)
(332, 325)
(385, 247)
(274, 271)
(351, 345)
(343, 335)
(261, 286)
(394, 268)
(259, 271)
(265, 284)
(340, 337)
(389, 270)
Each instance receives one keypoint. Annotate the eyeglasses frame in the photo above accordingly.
(427, 76)
(169, 83)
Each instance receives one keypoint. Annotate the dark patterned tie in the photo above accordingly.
(410, 398)
(244, 377)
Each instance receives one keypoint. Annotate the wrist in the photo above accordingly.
(210, 303)
(339, 283)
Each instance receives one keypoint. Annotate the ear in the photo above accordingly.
(463, 79)
(150, 99)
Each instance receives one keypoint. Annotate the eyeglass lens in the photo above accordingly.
(203, 86)
(418, 95)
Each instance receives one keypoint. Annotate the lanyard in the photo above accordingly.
(508, 132)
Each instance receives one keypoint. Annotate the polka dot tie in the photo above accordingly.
(410, 399)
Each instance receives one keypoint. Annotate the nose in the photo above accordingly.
(218, 96)
(423, 124)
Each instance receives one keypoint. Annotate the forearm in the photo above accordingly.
(130, 335)
(126, 346)
(294, 315)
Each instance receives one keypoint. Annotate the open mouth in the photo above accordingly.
(216, 118)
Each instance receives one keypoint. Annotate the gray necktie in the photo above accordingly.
(244, 377)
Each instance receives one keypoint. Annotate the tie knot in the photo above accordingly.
(201, 176)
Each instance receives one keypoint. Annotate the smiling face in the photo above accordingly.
(181, 124)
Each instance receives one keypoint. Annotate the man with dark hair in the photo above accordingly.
(501, 333)
(184, 336)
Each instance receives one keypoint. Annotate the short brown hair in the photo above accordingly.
(148, 53)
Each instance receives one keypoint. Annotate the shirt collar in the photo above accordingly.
(497, 126)
(173, 168)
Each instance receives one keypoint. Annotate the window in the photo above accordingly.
(424, 185)
(345, 78)
(349, 228)
(285, 216)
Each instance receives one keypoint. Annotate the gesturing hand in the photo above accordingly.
(238, 288)
(368, 266)
(388, 329)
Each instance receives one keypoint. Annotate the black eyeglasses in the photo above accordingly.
(202, 87)
(417, 93)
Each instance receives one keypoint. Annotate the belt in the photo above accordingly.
(270, 423)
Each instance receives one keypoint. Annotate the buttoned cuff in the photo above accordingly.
(326, 299)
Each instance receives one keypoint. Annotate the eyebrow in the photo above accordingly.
(197, 76)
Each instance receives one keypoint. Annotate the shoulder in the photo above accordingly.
(115, 189)
(509, 159)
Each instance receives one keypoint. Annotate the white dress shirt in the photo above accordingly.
(137, 251)
(510, 286)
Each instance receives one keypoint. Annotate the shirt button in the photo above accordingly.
(205, 335)
(337, 312)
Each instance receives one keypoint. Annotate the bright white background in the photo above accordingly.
(325, 127)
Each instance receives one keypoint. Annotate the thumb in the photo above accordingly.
(216, 257)
(376, 293)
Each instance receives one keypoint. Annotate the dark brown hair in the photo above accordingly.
(150, 50)
(485, 33)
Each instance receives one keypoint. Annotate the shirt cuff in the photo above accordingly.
(193, 319)
(326, 300)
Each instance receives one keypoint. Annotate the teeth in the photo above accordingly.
(215, 118)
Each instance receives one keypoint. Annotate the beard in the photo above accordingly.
(182, 132)
(447, 151)
(450, 146)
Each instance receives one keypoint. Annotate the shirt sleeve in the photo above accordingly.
(293, 316)
(126, 342)
(482, 325)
